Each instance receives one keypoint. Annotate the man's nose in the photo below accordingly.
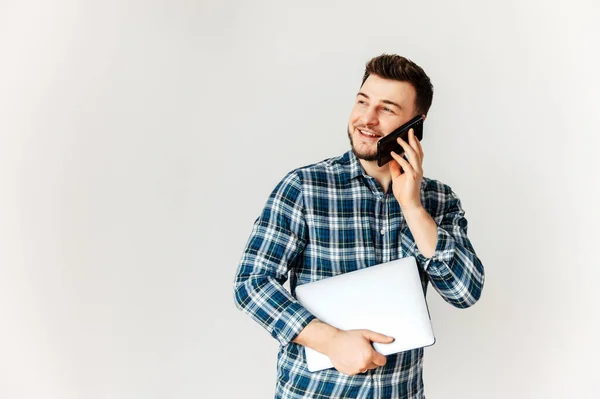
(369, 117)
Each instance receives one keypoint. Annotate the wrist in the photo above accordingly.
(412, 209)
(325, 335)
(318, 335)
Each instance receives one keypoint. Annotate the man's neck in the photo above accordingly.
(381, 174)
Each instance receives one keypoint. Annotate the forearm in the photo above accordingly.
(264, 298)
(423, 228)
(275, 245)
(316, 335)
(447, 256)
(458, 275)
(454, 269)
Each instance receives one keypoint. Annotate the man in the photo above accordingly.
(346, 213)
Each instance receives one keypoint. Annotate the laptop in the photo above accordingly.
(386, 298)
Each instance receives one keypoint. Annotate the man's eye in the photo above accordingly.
(387, 109)
(361, 102)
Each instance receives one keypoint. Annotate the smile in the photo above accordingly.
(368, 134)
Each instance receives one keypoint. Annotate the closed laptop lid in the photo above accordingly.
(387, 298)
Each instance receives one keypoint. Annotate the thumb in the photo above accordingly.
(376, 337)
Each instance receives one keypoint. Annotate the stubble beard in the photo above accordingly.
(366, 156)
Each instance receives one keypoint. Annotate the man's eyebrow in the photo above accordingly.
(391, 103)
(383, 101)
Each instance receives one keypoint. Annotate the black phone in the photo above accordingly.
(389, 143)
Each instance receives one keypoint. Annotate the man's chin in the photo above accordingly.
(371, 157)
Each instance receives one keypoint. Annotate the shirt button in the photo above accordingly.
(382, 231)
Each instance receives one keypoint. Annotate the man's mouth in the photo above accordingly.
(369, 135)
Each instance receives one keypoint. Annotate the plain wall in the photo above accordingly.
(139, 140)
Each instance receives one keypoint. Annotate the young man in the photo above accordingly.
(346, 213)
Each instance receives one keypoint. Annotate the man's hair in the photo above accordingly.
(396, 67)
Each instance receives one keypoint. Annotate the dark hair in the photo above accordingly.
(396, 67)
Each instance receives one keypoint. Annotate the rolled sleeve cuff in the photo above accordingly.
(444, 251)
(291, 322)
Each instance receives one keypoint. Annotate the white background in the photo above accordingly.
(139, 140)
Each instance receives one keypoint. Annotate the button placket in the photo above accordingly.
(385, 243)
(379, 228)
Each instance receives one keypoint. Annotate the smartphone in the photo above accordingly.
(390, 143)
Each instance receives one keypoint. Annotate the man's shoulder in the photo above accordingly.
(431, 185)
(321, 171)
(437, 196)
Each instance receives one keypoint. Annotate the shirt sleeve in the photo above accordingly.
(276, 242)
(454, 269)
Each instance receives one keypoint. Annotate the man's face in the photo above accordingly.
(381, 106)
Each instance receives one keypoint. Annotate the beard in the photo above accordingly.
(364, 155)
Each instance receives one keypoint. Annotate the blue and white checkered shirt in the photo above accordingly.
(330, 218)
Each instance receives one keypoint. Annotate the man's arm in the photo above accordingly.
(350, 351)
(277, 240)
(423, 228)
(317, 335)
(275, 244)
(444, 250)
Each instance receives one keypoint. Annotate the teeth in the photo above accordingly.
(368, 134)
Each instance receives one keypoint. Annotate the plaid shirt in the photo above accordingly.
(331, 218)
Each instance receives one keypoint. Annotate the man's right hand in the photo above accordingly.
(351, 351)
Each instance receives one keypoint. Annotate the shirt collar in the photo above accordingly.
(352, 166)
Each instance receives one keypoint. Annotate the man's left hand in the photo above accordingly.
(407, 185)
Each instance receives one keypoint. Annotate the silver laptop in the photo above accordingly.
(386, 298)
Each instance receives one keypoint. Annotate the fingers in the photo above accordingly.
(419, 148)
(412, 150)
(378, 359)
(394, 168)
(416, 144)
(374, 364)
(368, 366)
(376, 337)
(371, 359)
(407, 167)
